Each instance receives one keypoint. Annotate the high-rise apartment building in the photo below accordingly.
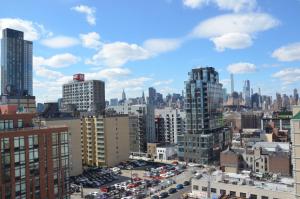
(104, 140)
(205, 135)
(34, 160)
(174, 123)
(143, 125)
(295, 139)
(86, 95)
(16, 64)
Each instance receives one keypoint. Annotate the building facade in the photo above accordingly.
(104, 140)
(16, 64)
(295, 139)
(174, 123)
(87, 95)
(34, 161)
(142, 124)
(205, 135)
(74, 127)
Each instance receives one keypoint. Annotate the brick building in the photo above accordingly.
(34, 160)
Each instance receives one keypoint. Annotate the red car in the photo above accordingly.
(137, 179)
(132, 185)
(104, 189)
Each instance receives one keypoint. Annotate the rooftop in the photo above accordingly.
(282, 184)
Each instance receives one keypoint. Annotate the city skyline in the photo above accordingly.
(124, 44)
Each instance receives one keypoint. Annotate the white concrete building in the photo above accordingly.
(86, 95)
(166, 152)
(174, 122)
(240, 185)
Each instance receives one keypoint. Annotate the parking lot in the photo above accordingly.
(139, 179)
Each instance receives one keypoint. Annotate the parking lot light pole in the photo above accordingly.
(131, 175)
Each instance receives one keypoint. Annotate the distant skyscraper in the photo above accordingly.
(296, 96)
(232, 83)
(246, 93)
(16, 64)
(123, 95)
(152, 96)
(205, 135)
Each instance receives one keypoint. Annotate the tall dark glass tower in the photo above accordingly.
(205, 136)
(16, 64)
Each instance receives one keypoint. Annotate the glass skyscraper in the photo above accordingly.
(16, 64)
(205, 136)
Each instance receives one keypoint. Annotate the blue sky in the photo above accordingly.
(135, 44)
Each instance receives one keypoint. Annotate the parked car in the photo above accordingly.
(179, 186)
(163, 194)
(186, 183)
(172, 190)
(155, 197)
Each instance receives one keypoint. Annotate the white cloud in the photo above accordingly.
(229, 31)
(163, 82)
(60, 42)
(241, 67)
(288, 75)
(108, 73)
(232, 41)
(118, 53)
(234, 5)
(56, 61)
(42, 71)
(157, 46)
(88, 11)
(195, 3)
(90, 40)
(32, 31)
(287, 53)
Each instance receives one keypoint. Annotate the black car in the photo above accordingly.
(172, 190)
(155, 197)
(186, 183)
(163, 195)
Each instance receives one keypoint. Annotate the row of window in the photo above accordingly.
(231, 193)
(9, 124)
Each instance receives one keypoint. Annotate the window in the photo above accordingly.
(1, 124)
(253, 196)
(232, 193)
(222, 192)
(213, 190)
(195, 187)
(243, 195)
(20, 123)
(264, 197)
(204, 188)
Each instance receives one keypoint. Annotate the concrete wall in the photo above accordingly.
(116, 130)
(74, 144)
(230, 161)
(280, 164)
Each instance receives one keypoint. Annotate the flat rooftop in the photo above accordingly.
(282, 184)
